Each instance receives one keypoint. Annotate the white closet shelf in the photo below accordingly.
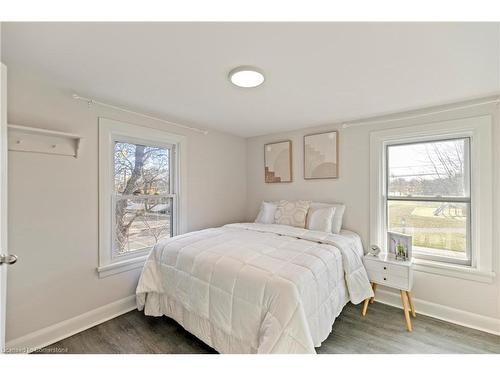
(43, 141)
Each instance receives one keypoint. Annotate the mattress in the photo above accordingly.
(255, 288)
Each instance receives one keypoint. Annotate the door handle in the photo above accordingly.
(8, 258)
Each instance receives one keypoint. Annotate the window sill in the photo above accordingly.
(453, 270)
(122, 266)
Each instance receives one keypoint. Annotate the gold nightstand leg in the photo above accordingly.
(404, 299)
(374, 287)
(365, 306)
(413, 312)
(368, 300)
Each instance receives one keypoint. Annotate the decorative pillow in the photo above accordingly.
(337, 216)
(320, 219)
(266, 213)
(292, 213)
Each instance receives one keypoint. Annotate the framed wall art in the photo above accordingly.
(321, 155)
(278, 162)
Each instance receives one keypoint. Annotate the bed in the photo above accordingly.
(255, 288)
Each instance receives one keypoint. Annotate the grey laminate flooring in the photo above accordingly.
(381, 331)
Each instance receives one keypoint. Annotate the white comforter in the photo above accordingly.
(255, 288)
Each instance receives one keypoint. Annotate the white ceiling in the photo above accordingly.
(316, 73)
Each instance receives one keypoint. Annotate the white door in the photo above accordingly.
(5, 258)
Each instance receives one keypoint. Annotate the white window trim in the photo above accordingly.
(479, 130)
(111, 131)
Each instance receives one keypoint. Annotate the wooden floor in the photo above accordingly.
(381, 331)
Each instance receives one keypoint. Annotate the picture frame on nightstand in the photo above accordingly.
(399, 245)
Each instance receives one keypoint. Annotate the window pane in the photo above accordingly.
(429, 169)
(141, 169)
(141, 222)
(437, 228)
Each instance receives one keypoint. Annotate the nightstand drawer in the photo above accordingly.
(384, 267)
(389, 279)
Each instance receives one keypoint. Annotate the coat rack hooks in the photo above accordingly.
(43, 141)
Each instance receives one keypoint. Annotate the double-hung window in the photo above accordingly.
(428, 197)
(143, 198)
(435, 182)
(139, 193)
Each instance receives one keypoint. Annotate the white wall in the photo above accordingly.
(352, 188)
(53, 206)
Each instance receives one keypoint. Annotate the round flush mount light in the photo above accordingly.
(246, 76)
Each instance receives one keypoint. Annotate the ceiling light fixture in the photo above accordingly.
(246, 76)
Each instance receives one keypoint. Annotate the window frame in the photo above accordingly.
(110, 132)
(466, 200)
(479, 130)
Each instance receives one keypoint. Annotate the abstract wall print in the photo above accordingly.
(278, 162)
(321, 155)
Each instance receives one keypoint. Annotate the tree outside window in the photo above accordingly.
(142, 196)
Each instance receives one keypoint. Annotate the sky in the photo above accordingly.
(419, 159)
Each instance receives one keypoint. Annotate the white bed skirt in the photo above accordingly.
(159, 304)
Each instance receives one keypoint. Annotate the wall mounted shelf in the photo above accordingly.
(43, 141)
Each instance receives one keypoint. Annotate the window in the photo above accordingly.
(139, 193)
(428, 197)
(435, 182)
(143, 198)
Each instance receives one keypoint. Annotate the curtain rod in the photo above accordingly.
(346, 125)
(102, 104)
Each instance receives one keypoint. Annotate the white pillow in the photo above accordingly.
(292, 213)
(266, 213)
(337, 215)
(320, 219)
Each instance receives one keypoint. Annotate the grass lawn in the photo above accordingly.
(430, 227)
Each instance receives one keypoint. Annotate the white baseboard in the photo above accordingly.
(448, 314)
(66, 328)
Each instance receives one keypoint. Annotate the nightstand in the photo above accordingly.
(385, 270)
